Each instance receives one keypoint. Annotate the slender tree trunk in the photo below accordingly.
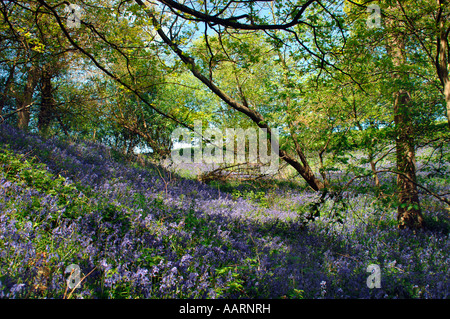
(447, 101)
(408, 212)
(373, 166)
(27, 97)
(47, 109)
(7, 88)
(322, 168)
(442, 59)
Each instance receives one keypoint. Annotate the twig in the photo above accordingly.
(439, 197)
(78, 283)
(417, 184)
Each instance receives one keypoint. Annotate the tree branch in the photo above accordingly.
(3, 118)
(232, 22)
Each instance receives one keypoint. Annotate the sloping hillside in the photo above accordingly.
(140, 231)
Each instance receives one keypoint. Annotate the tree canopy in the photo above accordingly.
(332, 78)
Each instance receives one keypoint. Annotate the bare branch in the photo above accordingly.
(231, 22)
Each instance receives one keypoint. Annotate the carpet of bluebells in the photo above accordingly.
(141, 231)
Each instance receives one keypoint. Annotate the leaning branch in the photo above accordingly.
(304, 169)
(232, 22)
(3, 118)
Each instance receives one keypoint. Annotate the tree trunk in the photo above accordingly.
(47, 109)
(7, 88)
(27, 98)
(408, 211)
(442, 61)
(373, 166)
(322, 169)
(447, 100)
